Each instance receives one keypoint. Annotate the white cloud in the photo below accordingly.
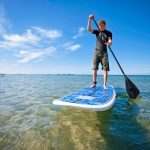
(35, 43)
(27, 56)
(67, 44)
(73, 47)
(4, 22)
(35, 36)
(80, 33)
(27, 37)
(52, 34)
(19, 41)
(9, 45)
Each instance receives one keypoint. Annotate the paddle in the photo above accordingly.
(131, 89)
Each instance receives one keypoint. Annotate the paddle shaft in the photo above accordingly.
(110, 49)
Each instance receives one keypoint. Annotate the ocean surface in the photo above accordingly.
(29, 120)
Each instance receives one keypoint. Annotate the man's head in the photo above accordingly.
(102, 25)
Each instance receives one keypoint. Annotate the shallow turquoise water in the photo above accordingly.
(29, 121)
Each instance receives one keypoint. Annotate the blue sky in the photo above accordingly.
(50, 36)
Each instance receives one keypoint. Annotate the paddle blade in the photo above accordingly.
(132, 90)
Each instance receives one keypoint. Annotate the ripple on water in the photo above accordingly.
(28, 120)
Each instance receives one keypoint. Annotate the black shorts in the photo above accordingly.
(100, 57)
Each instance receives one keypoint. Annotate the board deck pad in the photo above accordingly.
(89, 98)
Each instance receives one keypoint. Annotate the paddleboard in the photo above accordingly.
(96, 99)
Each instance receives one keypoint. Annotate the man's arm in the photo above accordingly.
(89, 24)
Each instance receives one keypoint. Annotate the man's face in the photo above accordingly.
(101, 26)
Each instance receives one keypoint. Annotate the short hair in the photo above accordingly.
(102, 22)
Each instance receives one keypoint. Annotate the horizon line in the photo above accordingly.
(64, 74)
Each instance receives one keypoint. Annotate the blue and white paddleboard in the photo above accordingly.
(89, 98)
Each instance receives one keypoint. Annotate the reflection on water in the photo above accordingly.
(29, 121)
(79, 128)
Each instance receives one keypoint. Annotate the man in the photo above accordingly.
(100, 54)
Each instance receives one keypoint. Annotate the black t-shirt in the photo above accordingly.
(100, 40)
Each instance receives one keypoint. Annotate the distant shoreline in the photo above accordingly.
(74, 74)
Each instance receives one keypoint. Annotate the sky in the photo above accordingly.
(51, 37)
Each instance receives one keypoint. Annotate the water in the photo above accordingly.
(29, 121)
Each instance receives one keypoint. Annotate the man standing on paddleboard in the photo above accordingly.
(100, 54)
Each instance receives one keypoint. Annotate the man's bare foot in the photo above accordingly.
(93, 86)
(105, 87)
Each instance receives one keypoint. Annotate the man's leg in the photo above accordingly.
(96, 61)
(94, 78)
(105, 78)
(105, 68)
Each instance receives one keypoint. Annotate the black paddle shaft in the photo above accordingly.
(131, 89)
